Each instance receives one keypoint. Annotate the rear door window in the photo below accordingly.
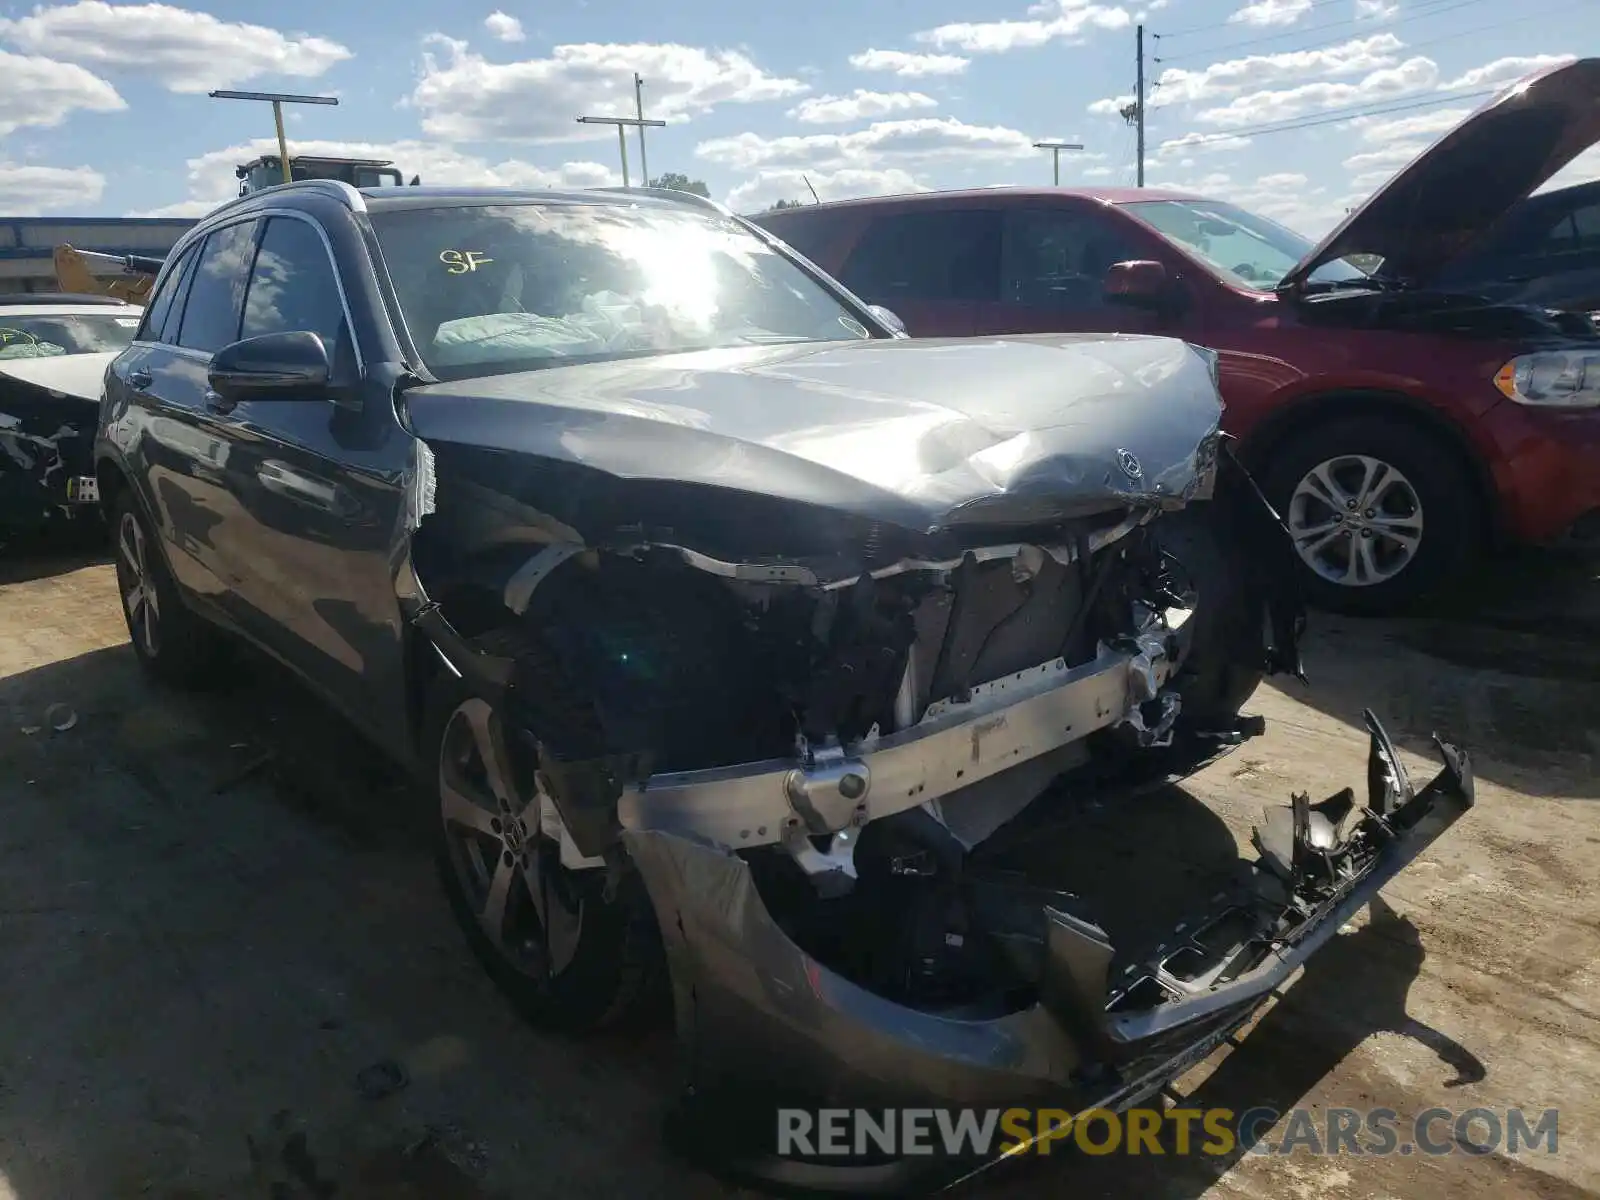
(1058, 258)
(949, 255)
(211, 312)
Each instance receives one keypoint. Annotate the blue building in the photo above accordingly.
(26, 244)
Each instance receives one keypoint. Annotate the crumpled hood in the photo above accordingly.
(1451, 194)
(927, 433)
(78, 375)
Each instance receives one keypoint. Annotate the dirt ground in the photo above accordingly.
(214, 915)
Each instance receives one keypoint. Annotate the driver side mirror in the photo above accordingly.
(1138, 283)
(273, 366)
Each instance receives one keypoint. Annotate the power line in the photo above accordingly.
(1521, 18)
(1333, 116)
(1434, 8)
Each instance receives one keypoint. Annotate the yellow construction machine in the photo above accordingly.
(75, 274)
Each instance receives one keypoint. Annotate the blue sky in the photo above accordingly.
(1297, 108)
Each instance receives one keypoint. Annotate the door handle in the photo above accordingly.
(139, 378)
(218, 403)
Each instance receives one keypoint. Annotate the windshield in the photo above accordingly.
(509, 287)
(1245, 249)
(47, 337)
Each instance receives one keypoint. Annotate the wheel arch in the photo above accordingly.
(110, 478)
(1322, 408)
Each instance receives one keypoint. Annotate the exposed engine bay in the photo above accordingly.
(885, 724)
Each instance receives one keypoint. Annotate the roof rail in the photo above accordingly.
(693, 198)
(338, 189)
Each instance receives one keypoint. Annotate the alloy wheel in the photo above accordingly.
(140, 599)
(1355, 520)
(507, 866)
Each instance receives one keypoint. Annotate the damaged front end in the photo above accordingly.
(1070, 1022)
(48, 408)
(814, 758)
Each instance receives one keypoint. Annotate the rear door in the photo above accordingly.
(933, 267)
(177, 442)
(1053, 264)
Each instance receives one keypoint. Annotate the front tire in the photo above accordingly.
(568, 957)
(1381, 513)
(1225, 663)
(171, 642)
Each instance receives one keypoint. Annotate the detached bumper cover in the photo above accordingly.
(764, 1025)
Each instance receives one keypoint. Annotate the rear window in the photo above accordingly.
(49, 336)
(927, 254)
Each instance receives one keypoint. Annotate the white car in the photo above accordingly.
(54, 350)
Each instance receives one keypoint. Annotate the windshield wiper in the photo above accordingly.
(1367, 283)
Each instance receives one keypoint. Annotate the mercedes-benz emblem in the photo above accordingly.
(1129, 464)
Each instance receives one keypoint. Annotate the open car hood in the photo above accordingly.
(1451, 194)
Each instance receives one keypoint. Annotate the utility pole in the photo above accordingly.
(638, 105)
(278, 100)
(1138, 99)
(622, 124)
(1055, 149)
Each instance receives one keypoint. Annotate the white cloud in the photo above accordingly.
(503, 27)
(1097, 172)
(1503, 71)
(858, 106)
(1050, 22)
(908, 65)
(1413, 75)
(28, 191)
(918, 140)
(1271, 12)
(1376, 10)
(42, 92)
(1390, 129)
(1112, 106)
(766, 188)
(1358, 56)
(467, 98)
(211, 179)
(1391, 157)
(1584, 168)
(188, 52)
(1370, 181)
(1190, 143)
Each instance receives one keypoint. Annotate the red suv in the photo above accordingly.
(1396, 424)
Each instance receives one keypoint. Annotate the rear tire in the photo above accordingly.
(1381, 494)
(172, 643)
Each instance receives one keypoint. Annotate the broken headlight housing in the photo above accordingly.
(1552, 379)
